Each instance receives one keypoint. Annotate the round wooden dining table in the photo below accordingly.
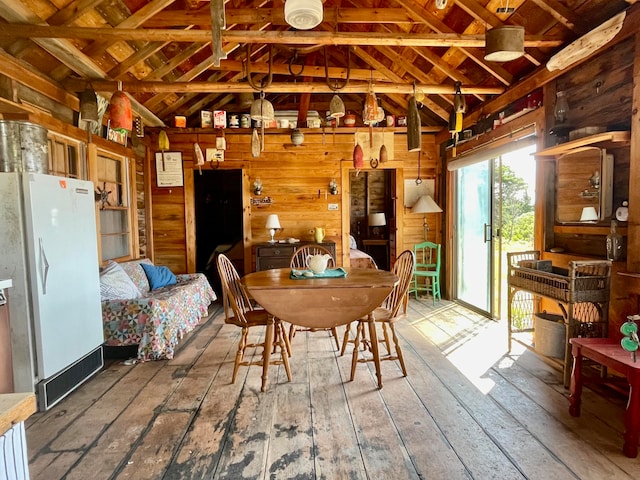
(320, 302)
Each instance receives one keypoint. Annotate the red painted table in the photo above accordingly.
(610, 354)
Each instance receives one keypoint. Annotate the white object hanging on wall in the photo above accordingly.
(214, 155)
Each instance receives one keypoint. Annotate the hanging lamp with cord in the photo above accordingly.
(261, 109)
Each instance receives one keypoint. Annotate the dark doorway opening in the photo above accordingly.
(218, 205)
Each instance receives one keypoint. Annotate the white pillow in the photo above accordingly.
(115, 284)
(352, 242)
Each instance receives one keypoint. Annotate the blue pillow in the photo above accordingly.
(158, 276)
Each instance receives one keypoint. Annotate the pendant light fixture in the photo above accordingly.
(505, 43)
(303, 14)
(414, 137)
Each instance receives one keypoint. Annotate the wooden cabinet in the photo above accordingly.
(278, 255)
(571, 191)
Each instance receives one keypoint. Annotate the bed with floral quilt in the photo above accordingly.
(149, 306)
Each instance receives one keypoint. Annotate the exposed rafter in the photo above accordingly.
(276, 87)
(277, 37)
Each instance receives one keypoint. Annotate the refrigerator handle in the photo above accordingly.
(46, 268)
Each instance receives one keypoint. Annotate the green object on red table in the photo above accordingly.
(629, 329)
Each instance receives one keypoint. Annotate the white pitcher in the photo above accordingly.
(317, 263)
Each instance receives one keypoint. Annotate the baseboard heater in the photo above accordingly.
(55, 388)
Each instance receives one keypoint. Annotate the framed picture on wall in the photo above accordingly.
(169, 169)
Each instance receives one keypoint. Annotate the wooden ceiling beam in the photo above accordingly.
(185, 85)
(439, 26)
(563, 15)
(12, 30)
(380, 67)
(485, 16)
(275, 16)
(316, 71)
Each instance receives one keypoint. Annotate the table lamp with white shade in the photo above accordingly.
(273, 223)
(589, 215)
(425, 204)
(377, 220)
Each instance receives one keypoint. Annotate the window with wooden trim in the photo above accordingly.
(67, 157)
(114, 203)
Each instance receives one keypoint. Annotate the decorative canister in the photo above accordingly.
(23, 147)
(391, 120)
(402, 121)
(245, 120)
(234, 122)
(350, 120)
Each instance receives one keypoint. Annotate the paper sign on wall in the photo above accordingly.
(169, 169)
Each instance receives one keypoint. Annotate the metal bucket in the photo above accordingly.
(23, 147)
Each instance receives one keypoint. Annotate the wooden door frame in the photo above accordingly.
(398, 202)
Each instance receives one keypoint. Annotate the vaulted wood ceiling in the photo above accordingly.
(161, 50)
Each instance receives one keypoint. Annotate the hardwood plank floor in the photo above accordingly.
(467, 410)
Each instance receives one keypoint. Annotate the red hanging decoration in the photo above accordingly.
(358, 157)
(120, 114)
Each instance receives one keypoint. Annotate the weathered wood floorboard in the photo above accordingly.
(467, 410)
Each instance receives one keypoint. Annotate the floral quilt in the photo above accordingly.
(158, 319)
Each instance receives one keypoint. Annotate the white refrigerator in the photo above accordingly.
(48, 247)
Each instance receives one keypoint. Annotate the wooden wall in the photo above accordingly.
(295, 178)
(600, 93)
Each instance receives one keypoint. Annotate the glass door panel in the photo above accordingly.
(474, 191)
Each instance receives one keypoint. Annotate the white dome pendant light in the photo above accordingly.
(303, 14)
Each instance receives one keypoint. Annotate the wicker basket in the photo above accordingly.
(584, 281)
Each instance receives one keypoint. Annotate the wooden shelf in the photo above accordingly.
(605, 139)
(588, 229)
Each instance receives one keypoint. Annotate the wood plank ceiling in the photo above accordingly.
(160, 51)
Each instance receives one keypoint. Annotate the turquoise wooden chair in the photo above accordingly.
(427, 268)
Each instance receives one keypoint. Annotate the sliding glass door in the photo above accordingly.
(473, 235)
(494, 214)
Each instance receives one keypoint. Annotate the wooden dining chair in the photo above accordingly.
(239, 311)
(299, 261)
(427, 268)
(371, 264)
(386, 314)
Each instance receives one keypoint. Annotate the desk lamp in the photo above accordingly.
(425, 204)
(273, 223)
(377, 220)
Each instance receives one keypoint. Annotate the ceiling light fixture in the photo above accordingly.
(303, 14)
(505, 43)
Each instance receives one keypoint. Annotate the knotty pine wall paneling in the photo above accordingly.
(295, 178)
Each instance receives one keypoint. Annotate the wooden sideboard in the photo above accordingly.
(278, 255)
